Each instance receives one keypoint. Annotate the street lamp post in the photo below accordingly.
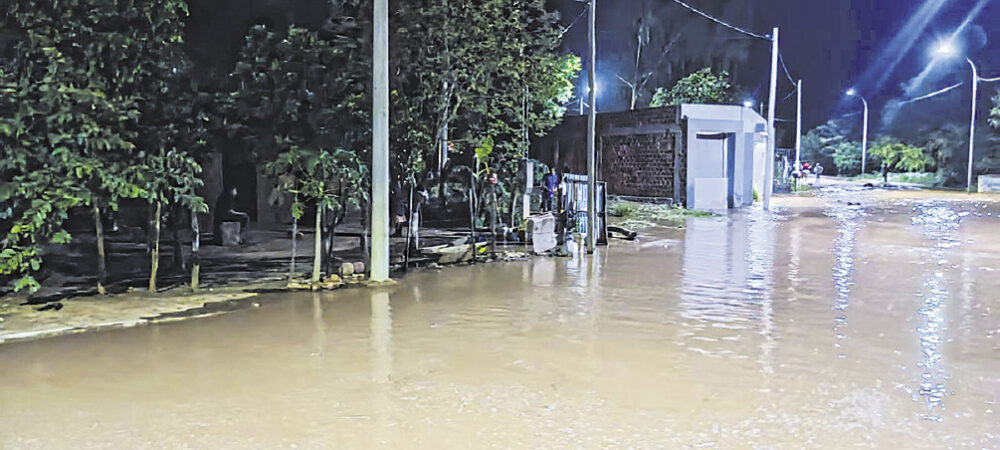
(798, 126)
(864, 131)
(948, 49)
(972, 123)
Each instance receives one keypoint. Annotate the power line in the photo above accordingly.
(721, 22)
(790, 94)
(990, 80)
(932, 94)
(781, 58)
(577, 19)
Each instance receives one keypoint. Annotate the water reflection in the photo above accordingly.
(381, 337)
(728, 283)
(939, 223)
(849, 217)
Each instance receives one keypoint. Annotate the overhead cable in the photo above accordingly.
(781, 58)
(577, 19)
(932, 94)
(723, 23)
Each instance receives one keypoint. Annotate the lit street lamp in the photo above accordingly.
(948, 49)
(864, 131)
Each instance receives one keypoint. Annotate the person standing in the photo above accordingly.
(819, 171)
(551, 184)
(225, 211)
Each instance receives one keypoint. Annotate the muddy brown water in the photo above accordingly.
(818, 326)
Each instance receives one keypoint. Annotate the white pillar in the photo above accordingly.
(591, 136)
(769, 159)
(380, 145)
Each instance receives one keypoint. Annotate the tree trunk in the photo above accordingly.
(195, 248)
(102, 270)
(328, 242)
(295, 239)
(318, 248)
(156, 248)
(409, 233)
(365, 232)
(494, 212)
(472, 220)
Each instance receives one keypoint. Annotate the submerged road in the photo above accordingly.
(849, 319)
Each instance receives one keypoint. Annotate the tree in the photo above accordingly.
(172, 180)
(66, 125)
(653, 42)
(946, 146)
(461, 83)
(702, 86)
(328, 180)
(820, 143)
(294, 104)
(897, 156)
(847, 157)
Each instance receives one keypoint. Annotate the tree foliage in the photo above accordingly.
(847, 157)
(821, 143)
(79, 110)
(702, 87)
(896, 156)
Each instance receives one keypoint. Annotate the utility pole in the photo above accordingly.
(380, 145)
(798, 127)
(972, 123)
(864, 137)
(769, 159)
(591, 135)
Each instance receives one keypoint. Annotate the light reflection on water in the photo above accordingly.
(850, 219)
(939, 223)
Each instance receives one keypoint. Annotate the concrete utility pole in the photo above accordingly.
(798, 127)
(591, 136)
(972, 123)
(864, 138)
(769, 159)
(380, 145)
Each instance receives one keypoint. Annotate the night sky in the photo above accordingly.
(831, 44)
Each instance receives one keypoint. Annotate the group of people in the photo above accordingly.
(808, 169)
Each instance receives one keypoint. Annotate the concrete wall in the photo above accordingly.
(721, 142)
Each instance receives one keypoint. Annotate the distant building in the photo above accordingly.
(699, 156)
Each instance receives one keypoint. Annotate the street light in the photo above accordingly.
(864, 132)
(748, 103)
(948, 49)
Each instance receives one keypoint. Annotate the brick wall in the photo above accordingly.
(640, 165)
(636, 154)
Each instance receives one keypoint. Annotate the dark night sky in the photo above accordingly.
(830, 44)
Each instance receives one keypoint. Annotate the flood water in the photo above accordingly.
(832, 325)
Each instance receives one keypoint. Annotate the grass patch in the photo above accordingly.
(637, 215)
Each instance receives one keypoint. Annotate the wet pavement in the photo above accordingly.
(851, 319)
